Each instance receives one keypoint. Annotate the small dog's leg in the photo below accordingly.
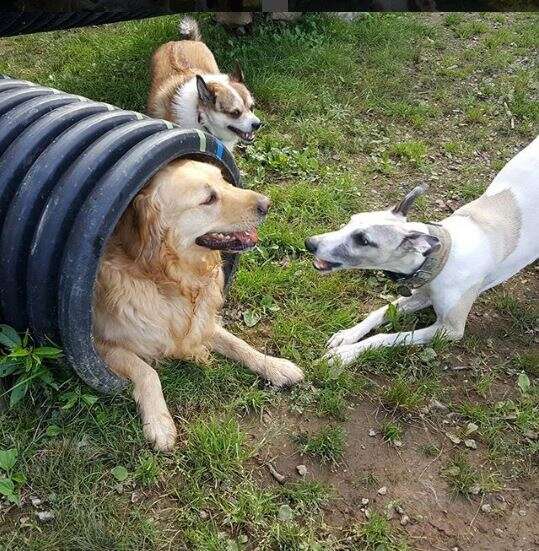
(347, 353)
(406, 305)
(158, 426)
(278, 371)
(451, 322)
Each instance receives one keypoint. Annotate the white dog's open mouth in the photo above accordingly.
(229, 241)
(247, 137)
(324, 265)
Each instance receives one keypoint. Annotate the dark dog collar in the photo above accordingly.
(204, 127)
(431, 267)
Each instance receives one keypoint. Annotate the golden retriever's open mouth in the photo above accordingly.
(229, 241)
(247, 137)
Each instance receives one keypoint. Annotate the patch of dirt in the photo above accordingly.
(438, 520)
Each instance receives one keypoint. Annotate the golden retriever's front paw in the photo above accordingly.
(160, 431)
(281, 372)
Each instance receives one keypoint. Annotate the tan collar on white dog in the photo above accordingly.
(433, 265)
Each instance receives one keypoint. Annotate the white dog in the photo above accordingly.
(446, 265)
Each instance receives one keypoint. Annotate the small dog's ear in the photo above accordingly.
(204, 93)
(237, 74)
(406, 204)
(423, 243)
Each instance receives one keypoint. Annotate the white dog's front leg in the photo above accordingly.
(347, 353)
(416, 302)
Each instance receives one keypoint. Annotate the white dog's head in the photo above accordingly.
(375, 240)
(226, 108)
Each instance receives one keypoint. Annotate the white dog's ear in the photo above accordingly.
(237, 74)
(420, 242)
(204, 93)
(406, 204)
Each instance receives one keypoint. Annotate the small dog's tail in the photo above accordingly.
(189, 29)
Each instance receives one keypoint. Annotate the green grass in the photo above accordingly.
(461, 476)
(354, 116)
(215, 449)
(392, 431)
(377, 533)
(327, 445)
(404, 395)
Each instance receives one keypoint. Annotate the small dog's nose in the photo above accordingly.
(311, 245)
(256, 125)
(263, 205)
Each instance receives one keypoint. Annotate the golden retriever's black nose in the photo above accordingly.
(256, 125)
(310, 244)
(263, 205)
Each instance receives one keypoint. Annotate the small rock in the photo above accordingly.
(471, 427)
(36, 502)
(382, 491)
(285, 513)
(243, 539)
(475, 489)
(302, 470)
(372, 432)
(399, 509)
(24, 520)
(522, 513)
(499, 532)
(397, 443)
(436, 404)
(45, 516)
(367, 513)
(486, 508)
(453, 437)
(405, 519)
(203, 514)
(470, 443)
(364, 501)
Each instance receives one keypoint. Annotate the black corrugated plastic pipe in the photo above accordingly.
(69, 167)
(13, 23)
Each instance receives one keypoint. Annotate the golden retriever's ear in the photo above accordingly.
(148, 224)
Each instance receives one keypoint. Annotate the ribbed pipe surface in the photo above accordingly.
(69, 167)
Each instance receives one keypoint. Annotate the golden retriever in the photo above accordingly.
(160, 284)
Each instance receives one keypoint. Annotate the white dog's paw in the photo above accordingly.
(344, 354)
(346, 336)
(160, 431)
(281, 372)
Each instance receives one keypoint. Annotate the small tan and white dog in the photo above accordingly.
(188, 89)
(445, 265)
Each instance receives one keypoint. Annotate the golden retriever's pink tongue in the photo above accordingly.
(250, 236)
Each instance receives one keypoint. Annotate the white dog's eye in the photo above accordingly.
(236, 113)
(360, 239)
(211, 199)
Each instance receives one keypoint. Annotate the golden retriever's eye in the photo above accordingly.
(211, 199)
(236, 113)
